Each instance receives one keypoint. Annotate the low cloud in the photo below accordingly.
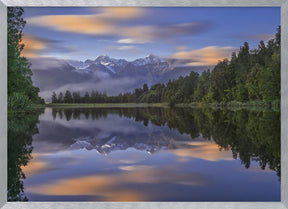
(46, 63)
(112, 86)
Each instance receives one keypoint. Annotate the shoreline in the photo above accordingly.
(274, 105)
(255, 105)
(106, 105)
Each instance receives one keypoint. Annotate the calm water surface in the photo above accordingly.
(144, 154)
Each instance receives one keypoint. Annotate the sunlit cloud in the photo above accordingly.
(87, 24)
(102, 23)
(123, 12)
(109, 23)
(36, 47)
(32, 46)
(204, 57)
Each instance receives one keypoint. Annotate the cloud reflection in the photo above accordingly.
(206, 150)
(35, 167)
(117, 187)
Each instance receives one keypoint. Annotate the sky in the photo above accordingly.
(206, 34)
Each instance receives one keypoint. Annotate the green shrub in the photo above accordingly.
(18, 101)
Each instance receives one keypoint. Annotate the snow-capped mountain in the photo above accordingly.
(105, 60)
(79, 65)
(149, 59)
(105, 74)
(115, 65)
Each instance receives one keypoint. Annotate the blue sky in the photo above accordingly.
(207, 34)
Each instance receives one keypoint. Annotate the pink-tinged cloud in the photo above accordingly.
(108, 23)
(96, 24)
(36, 47)
(207, 56)
(32, 46)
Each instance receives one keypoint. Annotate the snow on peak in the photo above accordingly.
(149, 59)
(110, 63)
(102, 57)
(113, 64)
(78, 65)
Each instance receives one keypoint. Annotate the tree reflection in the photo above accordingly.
(20, 132)
(251, 135)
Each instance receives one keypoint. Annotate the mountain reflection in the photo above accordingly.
(250, 135)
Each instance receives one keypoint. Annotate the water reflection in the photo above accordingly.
(249, 134)
(154, 154)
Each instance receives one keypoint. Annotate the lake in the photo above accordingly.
(144, 154)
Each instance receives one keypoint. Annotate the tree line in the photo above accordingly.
(250, 75)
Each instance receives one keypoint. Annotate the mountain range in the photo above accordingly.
(115, 143)
(105, 74)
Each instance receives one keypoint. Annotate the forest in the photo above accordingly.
(249, 76)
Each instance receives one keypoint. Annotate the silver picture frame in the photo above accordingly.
(144, 205)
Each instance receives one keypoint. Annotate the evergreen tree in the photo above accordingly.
(145, 87)
(203, 86)
(20, 86)
(60, 97)
(76, 97)
(54, 97)
(86, 97)
(68, 97)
